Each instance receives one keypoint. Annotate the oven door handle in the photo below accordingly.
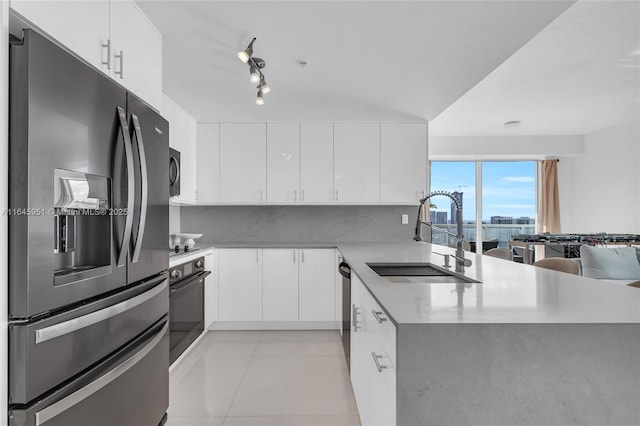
(189, 281)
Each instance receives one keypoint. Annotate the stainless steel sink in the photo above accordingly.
(417, 273)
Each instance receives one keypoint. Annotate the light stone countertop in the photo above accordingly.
(203, 250)
(508, 292)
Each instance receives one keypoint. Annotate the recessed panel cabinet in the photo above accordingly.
(243, 165)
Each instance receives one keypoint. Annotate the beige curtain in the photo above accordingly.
(549, 204)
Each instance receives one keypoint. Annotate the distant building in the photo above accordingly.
(458, 196)
(501, 220)
(525, 220)
(438, 218)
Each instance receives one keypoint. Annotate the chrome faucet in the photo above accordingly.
(461, 262)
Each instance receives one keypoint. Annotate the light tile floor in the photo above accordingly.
(263, 378)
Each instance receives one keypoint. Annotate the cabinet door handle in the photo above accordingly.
(261, 197)
(337, 198)
(354, 318)
(295, 195)
(121, 57)
(376, 359)
(303, 195)
(294, 256)
(257, 257)
(107, 45)
(302, 251)
(378, 317)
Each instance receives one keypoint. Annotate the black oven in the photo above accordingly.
(186, 305)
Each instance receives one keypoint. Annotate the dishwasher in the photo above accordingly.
(345, 270)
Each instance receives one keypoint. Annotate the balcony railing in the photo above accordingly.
(502, 233)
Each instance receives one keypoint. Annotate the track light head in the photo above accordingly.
(254, 75)
(260, 97)
(246, 53)
(264, 86)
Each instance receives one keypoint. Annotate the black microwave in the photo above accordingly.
(174, 172)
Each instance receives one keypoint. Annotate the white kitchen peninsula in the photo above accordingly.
(526, 345)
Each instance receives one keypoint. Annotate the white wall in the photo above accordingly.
(504, 147)
(4, 194)
(606, 182)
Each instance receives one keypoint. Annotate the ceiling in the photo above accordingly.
(579, 75)
(368, 60)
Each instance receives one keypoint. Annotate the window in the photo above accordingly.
(508, 202)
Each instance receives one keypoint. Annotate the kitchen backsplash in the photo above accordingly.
(174, 219)
(304, 224)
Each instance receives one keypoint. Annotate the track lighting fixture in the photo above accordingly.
(255, 71)
(260, 97)
(246, 53)
(254, 75)
(264, 86)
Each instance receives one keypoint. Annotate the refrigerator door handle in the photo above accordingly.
(64, 404)
(137, 132)
(76, 324)
(128, 150)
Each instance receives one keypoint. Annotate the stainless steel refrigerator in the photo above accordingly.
(88, 287)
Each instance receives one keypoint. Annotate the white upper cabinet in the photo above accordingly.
(83, 27)
(168, 111)
(357, 162)
(208, 162)
(403, 162)
(136, 52)
(243, 162)
(283, 163)
(114, 36)
(280, 284)
(317, 284)
(316, 162)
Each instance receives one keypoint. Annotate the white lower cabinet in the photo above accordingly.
(280, 285)
(373, 358)
(211, 289)
(240, 285)
(317, 285)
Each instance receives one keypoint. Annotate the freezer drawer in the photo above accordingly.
(46, 353)
(129, 388)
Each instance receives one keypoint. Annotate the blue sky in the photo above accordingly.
(508, 187)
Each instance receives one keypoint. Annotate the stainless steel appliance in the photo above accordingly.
(186, 305)
(174, 172)
(88, 281)
(345, 270)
